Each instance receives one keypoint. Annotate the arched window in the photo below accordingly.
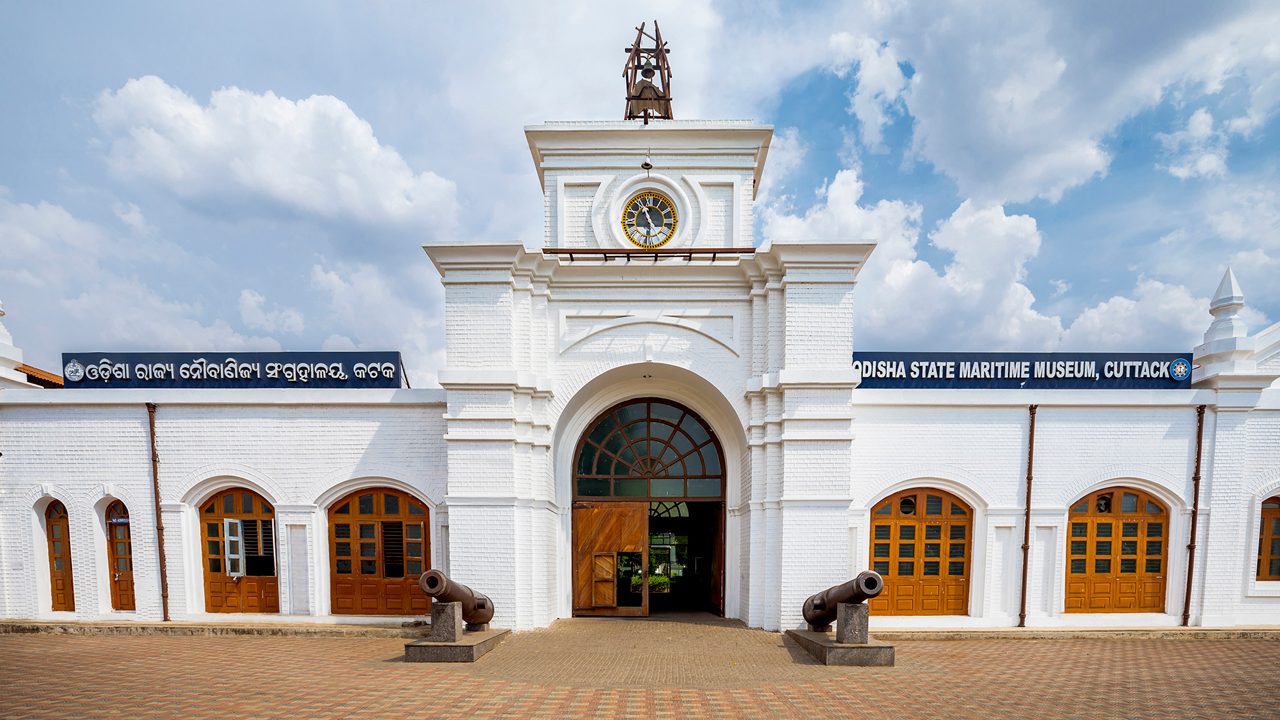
(920, 543)
(120, 556)
(238, 531)
(378, 548)
(59, 536)
(1269, 540)
(649, 449)
(1116, 552)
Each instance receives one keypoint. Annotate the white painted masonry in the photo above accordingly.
(759, 344)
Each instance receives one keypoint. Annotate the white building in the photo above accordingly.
(624, 429)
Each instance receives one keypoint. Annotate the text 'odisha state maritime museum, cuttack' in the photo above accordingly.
(650, 413)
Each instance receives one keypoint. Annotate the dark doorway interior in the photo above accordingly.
(685, 556)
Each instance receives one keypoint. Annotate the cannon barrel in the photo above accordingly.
(820, 609)
(477, 609)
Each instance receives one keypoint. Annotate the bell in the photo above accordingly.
(648, 69)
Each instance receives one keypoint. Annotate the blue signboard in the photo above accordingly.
(1062, 371)
(218, 370)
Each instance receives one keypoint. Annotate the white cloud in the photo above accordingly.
(786, 154)
(312, 156)
(1196, 151)
(879, 84)
(254, 315)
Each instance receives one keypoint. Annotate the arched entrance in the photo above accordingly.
(119, 556)
(237, 527)
(58, 532)
(648, 512)
(921, 540)
(378, 548)
(1116, 552)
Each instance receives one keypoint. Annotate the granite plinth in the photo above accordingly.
(824, 648)
(469, 647)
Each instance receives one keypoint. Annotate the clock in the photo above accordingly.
(649, 219)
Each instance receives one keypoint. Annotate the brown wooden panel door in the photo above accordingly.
(120, 556)
(237, 531)
(920, 544)
(1116, 553)
(379, 546)
(610, 558)
(59, 535)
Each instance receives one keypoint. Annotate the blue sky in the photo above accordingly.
(230, 176)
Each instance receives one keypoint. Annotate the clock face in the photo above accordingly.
(649, 219)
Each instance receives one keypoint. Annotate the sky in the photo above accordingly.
(239, 176)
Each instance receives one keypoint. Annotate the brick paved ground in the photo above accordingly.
(616, 668)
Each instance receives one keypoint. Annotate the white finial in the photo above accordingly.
(1229, 292)
(1225, 308)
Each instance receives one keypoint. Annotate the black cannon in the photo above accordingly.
(820, 609)
(477, 609)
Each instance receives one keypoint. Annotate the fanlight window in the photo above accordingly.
(649, 449)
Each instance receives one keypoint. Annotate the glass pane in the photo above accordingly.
(215, 547)
(413, 531)
(1155, 547)
(414, 567)
(343, 509)
(1128, 565)
(1102, 530)
(1275, 526)
(233, 566)
(1128, 503)
(906, 551)
(1275, 568)
(209, 508)
(122, 548)
(955, 569)
(881, 567)
(1082, 508)
(1275, 546)
(368, 550)
(342, 530)
(55, 531)
(906, 569)
(342, 549)
(214, 529)
(57, 547)
(631, 487)
(1079, 547)
(368, 567)
(233, 547)
(1079, 529)
(883, 532)
(120, 530)
(704, 487)
(1129, 547)
(1077, 566)
(367, 531)
(1154, 509)
(884, 509)
(1102, 547)
(906, 532)
(248, 503)
(603, 466)
(416, 509)
(932, 550)
(712, 459)
(57, 564)
(1155, 529)
(413, 549)
(1153, 565)
(882, 550)
(932, 532)
(594, 487)
(587, 460)
(1102, 566)
(660, 487)
(932, 506)
(229, 504)
(957, 510)
(695, 430)
(931, 568)
(907, 505)
(344, 567)
(364, 504)
(1103, 503)
(122, 564)
(1129, 530)
(957, 532)
(215, 565)
(956, 551)
(391, 504)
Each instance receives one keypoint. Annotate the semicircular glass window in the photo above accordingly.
(648, 450)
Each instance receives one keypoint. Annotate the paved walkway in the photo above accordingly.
(602, 668)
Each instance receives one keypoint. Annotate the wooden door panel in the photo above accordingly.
(601, 531)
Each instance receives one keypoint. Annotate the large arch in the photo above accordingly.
(659, 380)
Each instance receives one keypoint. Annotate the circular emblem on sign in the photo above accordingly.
(649, 219)
(74, 371)
(1180, 369)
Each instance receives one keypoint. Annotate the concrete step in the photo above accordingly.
(377, 630)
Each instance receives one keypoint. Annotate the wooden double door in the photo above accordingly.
(631, 557)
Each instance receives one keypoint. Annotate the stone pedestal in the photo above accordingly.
(449, 641)
(851, 644)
